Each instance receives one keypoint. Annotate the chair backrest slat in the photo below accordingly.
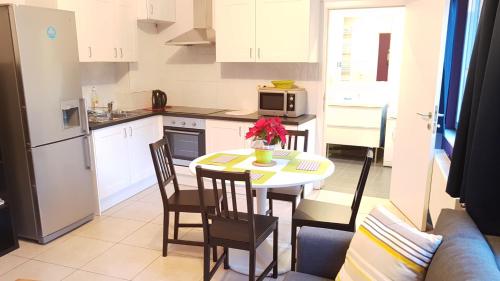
(293, 136)
(164, 167)
(228, 214)
(356, 201)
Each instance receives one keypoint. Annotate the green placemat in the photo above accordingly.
(294, 163)
(291, 155)
(223, 159)
(261, 177)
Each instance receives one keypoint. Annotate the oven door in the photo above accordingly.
(272, 103)
(185, 144)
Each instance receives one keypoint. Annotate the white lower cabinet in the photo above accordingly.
(123, 164)
(226, 135)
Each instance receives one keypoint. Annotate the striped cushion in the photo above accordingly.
(386, 248)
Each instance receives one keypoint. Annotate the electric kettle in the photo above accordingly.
(158, 100)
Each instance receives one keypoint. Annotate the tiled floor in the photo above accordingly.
(347, 174)
(125, 243)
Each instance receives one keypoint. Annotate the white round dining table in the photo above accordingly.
(281, 178)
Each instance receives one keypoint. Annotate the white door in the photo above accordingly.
(421, 74)
(224, 135)
(140, 134)
(235, 30)
(125, 30)
(282, 30)
(111, 160)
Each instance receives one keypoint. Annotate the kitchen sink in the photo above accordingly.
(101, 117)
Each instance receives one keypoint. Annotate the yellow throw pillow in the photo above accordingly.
(386, 248)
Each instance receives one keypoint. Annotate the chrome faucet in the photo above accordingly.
(110, 107)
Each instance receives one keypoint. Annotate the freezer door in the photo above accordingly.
(48, 54)
(63, 183)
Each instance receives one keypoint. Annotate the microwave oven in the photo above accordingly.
(281, 102)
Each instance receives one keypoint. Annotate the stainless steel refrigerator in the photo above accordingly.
(43, 122)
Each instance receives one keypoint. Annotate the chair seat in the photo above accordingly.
(228, 229)
(189, 200)
(292, 191)
(317, 211)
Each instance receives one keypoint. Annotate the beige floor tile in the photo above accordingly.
(173, 268)
(152, 197)
(37, 270)
(28, 249)
(89, 276)
(117, 207)
(9, 262)
(109, 229)
(151, 236)
(144, 193)
(184, 250)
(228, 275)
(122, 261)
(139, 211)
(74, 252)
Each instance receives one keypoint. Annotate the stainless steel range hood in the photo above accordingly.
(202, 32)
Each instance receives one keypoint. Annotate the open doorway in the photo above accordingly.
(363, 62)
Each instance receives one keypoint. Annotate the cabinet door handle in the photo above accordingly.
(125, 131)
(250, 52)
(130, 131)
(116, 52)
(239, 131)
(258, 53)
(121, 53)
(151, 9)
(90, 51)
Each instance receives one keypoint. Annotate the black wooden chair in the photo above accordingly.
(326, 215)
(230, 228)
(181, 201)
(289, 194)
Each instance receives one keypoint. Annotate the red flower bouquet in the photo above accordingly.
(269, 130)
(266, 133)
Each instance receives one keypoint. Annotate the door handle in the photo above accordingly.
(258, 53)
(84, 117)
(425, 115)
(125, 131)
(121, 52)
(86, 152)
(151, 9)
(250, 52)
(116, 52)
(90, 51)
(130, 131)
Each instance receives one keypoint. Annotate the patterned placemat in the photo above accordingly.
(257, 176)
(285, 154)
(223, 159)
(315, 167)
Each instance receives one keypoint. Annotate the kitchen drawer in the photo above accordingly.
(366, 137)
(354, 116)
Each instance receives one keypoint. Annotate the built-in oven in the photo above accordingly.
(186, 137)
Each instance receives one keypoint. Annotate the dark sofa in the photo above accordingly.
(465, 254)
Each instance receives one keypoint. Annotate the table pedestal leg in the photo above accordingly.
(238, 260)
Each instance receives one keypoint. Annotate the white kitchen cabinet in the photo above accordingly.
(156, 10)
(122, 160)
(106, 29)
(225, 135)
(235, 30)
(267, 31)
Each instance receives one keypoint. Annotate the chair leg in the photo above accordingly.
(302, 193)
(226, 260)
(214, 253)
(251, 265)
(166, 217)
(206, 263)
(275, 252)
(294, 244)
(271, 207)
(176, 226)
(294, 206)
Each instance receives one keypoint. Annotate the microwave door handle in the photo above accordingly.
(183, 132)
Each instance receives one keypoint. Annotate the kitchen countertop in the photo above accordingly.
(196, 112)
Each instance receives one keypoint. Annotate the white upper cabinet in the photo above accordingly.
(107, 29)
(235, 30)
(156, 10)
(267, 30)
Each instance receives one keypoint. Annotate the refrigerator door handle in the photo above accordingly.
(84, 117)
(86, 152)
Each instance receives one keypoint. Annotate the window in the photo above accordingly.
(462, 29)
